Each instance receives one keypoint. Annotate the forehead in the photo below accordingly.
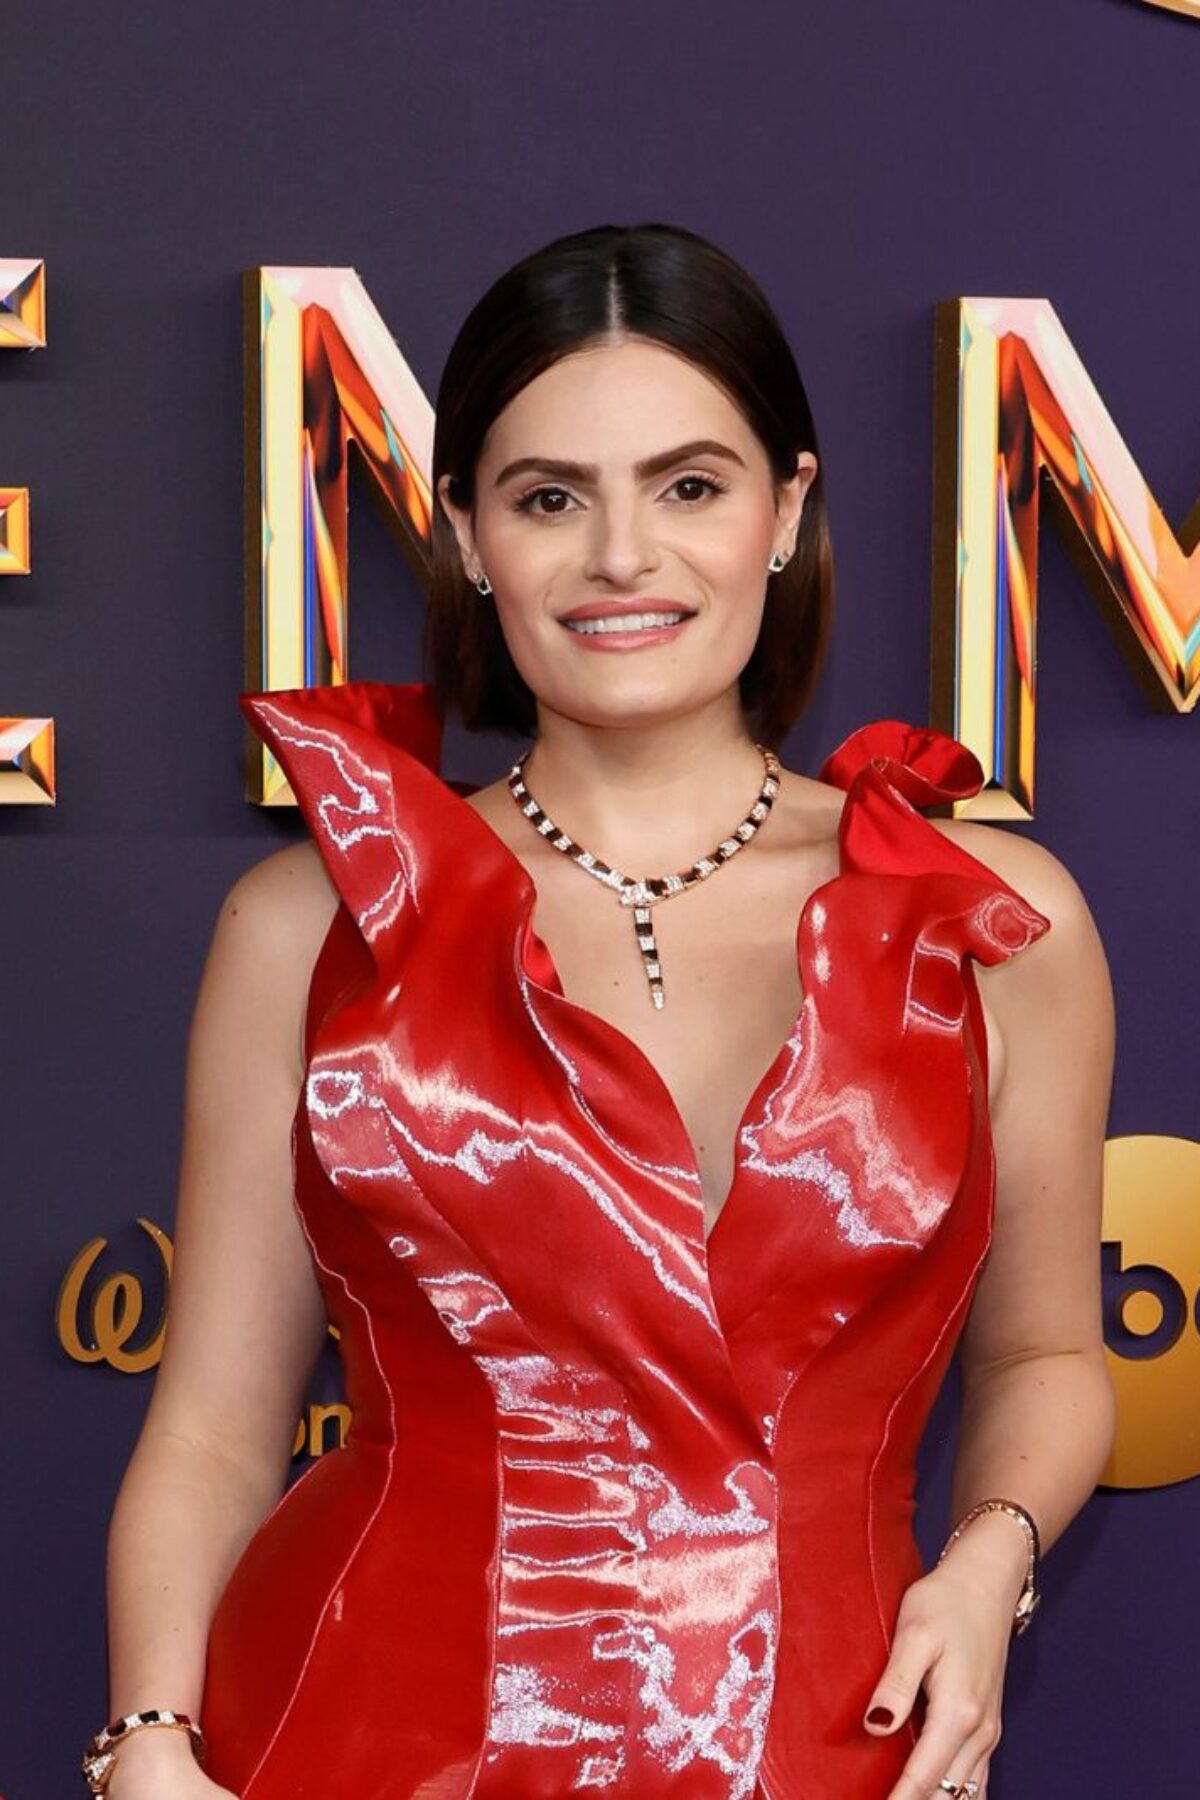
(616, 401)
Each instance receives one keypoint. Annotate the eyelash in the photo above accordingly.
(524, 502)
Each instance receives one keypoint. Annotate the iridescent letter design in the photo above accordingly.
(1014, 408)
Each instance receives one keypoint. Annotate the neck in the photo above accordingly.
(647, 798)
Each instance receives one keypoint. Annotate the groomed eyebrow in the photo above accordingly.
(587, 472)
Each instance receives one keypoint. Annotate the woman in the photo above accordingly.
(648, 1216)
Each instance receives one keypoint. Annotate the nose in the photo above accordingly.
(621, 542)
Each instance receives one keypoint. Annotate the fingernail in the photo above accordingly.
(879, 1715)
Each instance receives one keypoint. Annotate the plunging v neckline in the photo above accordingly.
(631, 1052)
(884, 763)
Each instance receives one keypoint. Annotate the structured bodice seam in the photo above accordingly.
(364, 1534)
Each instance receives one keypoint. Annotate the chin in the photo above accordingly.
(631, 706)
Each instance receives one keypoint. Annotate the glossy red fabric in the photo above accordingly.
(619, 1509)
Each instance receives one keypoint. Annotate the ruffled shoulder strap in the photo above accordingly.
(891, 769)
(927, 765)
(340, 745)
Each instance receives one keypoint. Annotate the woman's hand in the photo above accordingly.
(159, 1764)
(952, 1640)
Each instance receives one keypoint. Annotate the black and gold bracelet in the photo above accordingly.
(1030, 1598)
(100, 1756)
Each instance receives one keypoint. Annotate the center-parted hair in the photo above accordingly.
(672, 287)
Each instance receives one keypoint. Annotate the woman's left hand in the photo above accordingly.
(952, 1639)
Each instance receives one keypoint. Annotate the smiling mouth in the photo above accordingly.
(614, 622)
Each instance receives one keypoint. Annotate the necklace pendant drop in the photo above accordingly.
(642, 894)
(643, 925)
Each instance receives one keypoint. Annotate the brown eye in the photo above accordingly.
(707, 485)
(526, 503)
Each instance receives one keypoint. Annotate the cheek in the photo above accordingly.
(732, 546)
(529, 572)
(525, 609)
(733, 568)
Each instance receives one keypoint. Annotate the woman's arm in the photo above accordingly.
(1038, 1403)
(245, 1324)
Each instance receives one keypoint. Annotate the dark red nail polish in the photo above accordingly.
(879, 1715)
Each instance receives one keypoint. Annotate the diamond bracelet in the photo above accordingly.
(1031, 1597)
(99, 1759)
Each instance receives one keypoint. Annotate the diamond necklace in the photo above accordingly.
(642, 894)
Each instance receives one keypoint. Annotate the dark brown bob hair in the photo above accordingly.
(665, 284)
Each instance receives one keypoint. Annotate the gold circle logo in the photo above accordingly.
(1150, 1261)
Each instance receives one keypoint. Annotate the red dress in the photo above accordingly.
(619, 1508)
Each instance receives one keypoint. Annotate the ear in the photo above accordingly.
(790, 495)
(460, 520)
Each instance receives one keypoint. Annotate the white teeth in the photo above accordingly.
(624, 622)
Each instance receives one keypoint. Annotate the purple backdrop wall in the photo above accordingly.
(864, 161)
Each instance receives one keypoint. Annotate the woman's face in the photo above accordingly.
(624, 481)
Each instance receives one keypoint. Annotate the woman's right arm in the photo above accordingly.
(245, 1325)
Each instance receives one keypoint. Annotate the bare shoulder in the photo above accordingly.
(1034, 871)
(1071, 952)
(286, 896)
(269, 930)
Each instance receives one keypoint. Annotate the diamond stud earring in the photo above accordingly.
(482, 583)
(777, 562)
